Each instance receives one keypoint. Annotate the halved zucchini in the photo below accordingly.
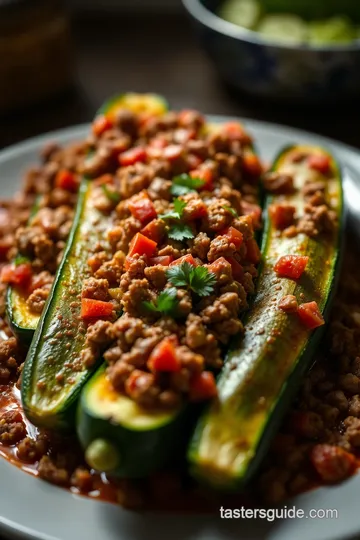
(262, 372)
(141, 440)
(53, 374)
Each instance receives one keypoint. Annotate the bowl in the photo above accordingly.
(275, 70)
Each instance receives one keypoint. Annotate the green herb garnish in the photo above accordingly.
(165, 303)
(196, 278)
(231, 210)
(178, 231)
(184, 183)
(21, 259)
(111, 195)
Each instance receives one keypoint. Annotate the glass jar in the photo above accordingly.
(35, 51)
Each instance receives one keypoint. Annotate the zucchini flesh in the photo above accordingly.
(151, 104)
(53, 375)
(21, 319)
(262, 372)
(144, 440)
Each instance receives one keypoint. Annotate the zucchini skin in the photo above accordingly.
(262, 372)
(142, 450)
(21, 321)
(50, 384)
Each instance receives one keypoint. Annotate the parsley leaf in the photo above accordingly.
(165, 304)
(179, 206)
(184, 183)
(180, 232)
(20, 259)
(111, 195)
(231, 210)
(196, 278)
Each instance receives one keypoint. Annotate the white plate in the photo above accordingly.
(33, 509)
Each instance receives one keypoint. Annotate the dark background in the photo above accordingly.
(157, 51)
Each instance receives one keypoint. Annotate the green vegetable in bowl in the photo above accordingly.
(245, 13)
(289, 28)
(334, 30)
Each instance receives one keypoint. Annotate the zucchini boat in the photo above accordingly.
(262, 372)
(22, 320)
(122, 438)
(53, 374)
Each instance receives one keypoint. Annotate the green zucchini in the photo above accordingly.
(21, 319)
(142, 440)
(262, 371)
(53, 374)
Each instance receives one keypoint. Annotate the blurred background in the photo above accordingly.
(60, 60)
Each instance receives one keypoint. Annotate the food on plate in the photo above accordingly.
(160, 280)
(282, 22)
(298, 272)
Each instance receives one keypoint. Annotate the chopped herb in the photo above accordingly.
(166, 303)
(231, 210)
(184, 183)
(177, 213)
(20, 259)
(196, 278)
(180, 232)
(111, 195)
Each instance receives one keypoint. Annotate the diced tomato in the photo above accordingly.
(252, 210)
(158, 142)
(132, 156)
(252, 164)
(185, 258)
(234, 236)
(194, 161)
(142, 245)
(163, 356)
(320, 163)
(18, 275)
(237, 269)
(282, 215)
(202, 386)
(95, 309)
(5, 245)
(164, 260)
(154, 230)
(101, 124)
(66, 180)
(172, 152)
(291, 266)
(253, 253)
(217, 266)
(128, 262)
(205, 174)
(310, 315)
(182, 135)
(187, 116)
(234, 130)
(142, 208)
(332, 463)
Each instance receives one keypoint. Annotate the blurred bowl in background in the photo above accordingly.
(275, 70)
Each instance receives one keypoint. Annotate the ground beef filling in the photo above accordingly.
(219, 215)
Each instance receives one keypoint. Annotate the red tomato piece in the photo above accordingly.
(252, 164)
(158, 142)
(95, 309)
(320, 163)
(205, 174)
(217, 266)
(187, 116)
(163, 357)
(101, 124)
(252, 210)
(128, 262)
(154, 230)
(66, 180)
(185, 258)
(234, 236)
(182, 135)
(142, 208)
(172, 152)
(237, 269)
(194, 161)
(18, 275)
(253, 253)
(282, 215)
(291, 266)
(332, 463)
(132, 156)
(311, 315)
(164, 260)
(142, 245)
(202, 386)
